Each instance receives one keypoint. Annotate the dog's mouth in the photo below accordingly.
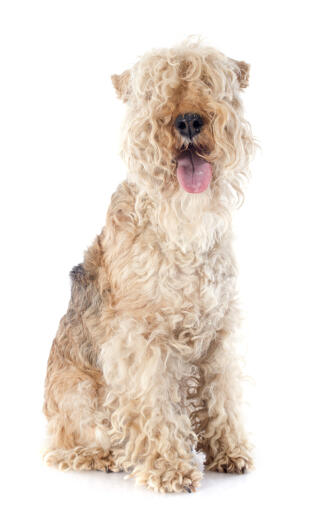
(193, 171)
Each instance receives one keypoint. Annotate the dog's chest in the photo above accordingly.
(194, 289)
(190, 289)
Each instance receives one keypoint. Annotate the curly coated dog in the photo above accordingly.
(143, 369)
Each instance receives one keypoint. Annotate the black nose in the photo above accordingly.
(189, 125)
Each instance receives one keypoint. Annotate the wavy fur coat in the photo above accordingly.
(143, 367)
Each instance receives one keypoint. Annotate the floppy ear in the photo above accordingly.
(122, 85)
(243, 72)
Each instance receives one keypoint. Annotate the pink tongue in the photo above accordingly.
(194, 174)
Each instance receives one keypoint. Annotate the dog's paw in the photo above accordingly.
(168, 479)
(238, 461)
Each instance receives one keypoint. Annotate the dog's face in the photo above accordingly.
(184, 125)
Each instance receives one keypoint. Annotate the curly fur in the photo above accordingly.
(143, 367)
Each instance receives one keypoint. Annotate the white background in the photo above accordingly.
(59, 137)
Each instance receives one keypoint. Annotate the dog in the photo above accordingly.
(143, 369)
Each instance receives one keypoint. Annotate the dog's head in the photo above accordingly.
(184, 125)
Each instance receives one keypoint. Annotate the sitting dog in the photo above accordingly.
(143, 368)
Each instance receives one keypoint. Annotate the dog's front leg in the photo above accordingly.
(163, 453)
(150, 429)
(220, 429)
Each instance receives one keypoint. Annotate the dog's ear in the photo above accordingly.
(243, 72)
(122, 85)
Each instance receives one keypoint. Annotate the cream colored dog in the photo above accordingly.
(143, 369)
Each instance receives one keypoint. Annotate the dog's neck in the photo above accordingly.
(187, 221)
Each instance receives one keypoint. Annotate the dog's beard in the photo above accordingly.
(190, 207)
(189, 219)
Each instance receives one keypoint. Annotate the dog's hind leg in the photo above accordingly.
(77, 424)
(81, 458)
